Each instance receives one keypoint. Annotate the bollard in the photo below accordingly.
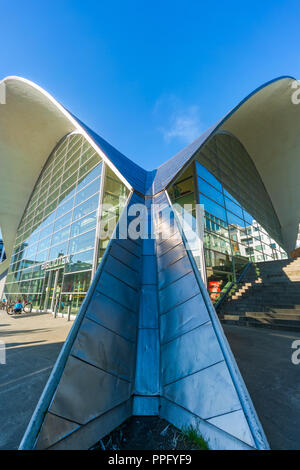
(55, 309)
(69, 312)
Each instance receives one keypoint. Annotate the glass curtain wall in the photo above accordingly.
(182, 195)
(54, 254)
(228, 186)
(114, 199)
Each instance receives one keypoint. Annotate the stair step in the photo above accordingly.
(264, 322)
(273, 316)
(284, 310)
(254, 324)
(262, 316)
(256, 307)
(269, 296)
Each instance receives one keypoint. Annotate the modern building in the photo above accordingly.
(144, 301)
(56, 241)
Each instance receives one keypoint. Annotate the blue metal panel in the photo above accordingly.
(174, 271)
(147, 380)
(125, 273)
(178, 292)
(85, 392)
(214, 383)
(230, 423)
(189, 353)
(183, 318)
(148, 317)
(110, 314)
(82, 437)
(121, 252)
(171, 256)
(121, 292)
(149, 270)
(94, 345)
(216, 438)
(55, 428)
(147, 365)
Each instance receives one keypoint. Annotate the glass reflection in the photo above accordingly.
(230, 189)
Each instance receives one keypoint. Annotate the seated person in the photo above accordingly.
(18, 306)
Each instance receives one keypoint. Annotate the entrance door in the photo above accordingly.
(53, 282)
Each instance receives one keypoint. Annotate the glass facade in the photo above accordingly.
(240, 224)
(55, 252)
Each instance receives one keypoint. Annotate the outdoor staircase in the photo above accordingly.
(268, 296)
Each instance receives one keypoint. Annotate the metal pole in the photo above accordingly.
(69, 312)
(55, 308)
(70, 306)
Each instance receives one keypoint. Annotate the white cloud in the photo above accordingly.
(179, 122)
(185, 125)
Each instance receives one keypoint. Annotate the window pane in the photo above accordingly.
(212, 208)
(216, 243)
(212, 224)
(61, 235)
(88, 165)
(45, 243)
(235, 220)
(211, 192)
(81, 261)
(48, 220)
(84, 242)
(90, 176)
(205, 174)
(59, 250)
(88, 191)
(68, 184)
(230, 196)
(70, 169)
(43, 256)
(83, 225)
(62, 221)
(88, 206)
(230, 205)
(76, 282)
(64, 207)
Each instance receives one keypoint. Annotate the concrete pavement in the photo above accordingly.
(273, 381)
(32, 342)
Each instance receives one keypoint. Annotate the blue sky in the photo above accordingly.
(149, 76)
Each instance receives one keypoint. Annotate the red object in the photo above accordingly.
(214, 289)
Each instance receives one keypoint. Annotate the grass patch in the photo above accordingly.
(192, 434)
